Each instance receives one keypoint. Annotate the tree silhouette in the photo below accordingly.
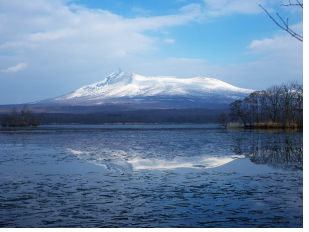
(222, 119)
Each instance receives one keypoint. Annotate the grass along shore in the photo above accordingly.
(265, 125)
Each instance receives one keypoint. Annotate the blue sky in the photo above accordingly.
(49, 48)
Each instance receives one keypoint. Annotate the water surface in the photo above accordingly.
(149, 176)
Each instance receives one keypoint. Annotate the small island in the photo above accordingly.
(277, 107)
(25, 118)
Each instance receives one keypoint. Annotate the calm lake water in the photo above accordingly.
(149, 176)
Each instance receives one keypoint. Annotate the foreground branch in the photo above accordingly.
(286, 26)
(291, 4)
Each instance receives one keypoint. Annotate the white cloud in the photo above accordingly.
(15, 68)
(50, 28)
(169, 40)
(73, 30)
(279, 44)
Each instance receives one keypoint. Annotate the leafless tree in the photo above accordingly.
(272, 103)
(279, 104)
(299, 104)
(222, 119)
(25, 116)
(15, 118)
(255, 105)
(240, 109)
(23, 119)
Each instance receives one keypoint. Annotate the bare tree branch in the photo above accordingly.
(291, 4)
(286, 26)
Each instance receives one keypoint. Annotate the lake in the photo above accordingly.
(150, 176)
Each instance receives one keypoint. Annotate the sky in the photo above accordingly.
(49, 48)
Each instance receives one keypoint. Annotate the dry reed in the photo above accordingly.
(235, 125)
(264, 125)
(275, 125)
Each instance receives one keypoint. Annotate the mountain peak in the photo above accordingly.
(118, 71)
(115, 74)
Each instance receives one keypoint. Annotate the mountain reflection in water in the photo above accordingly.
(192, 149)
(199, 162)
(125, 148)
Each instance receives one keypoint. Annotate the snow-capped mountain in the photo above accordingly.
(130, 88)
(126, 86)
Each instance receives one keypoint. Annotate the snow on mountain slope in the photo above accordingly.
(130, 85)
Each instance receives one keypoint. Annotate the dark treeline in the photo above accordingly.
(279, 106)
(22, 118)
(177, 116)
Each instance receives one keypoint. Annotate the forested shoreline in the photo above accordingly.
(277, 107)
(167, 116)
